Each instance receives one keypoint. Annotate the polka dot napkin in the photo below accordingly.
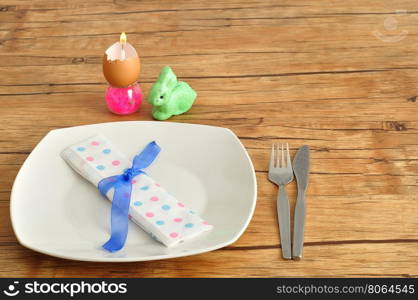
(152, 208)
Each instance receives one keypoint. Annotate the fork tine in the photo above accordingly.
(283, 166)
(271, 166)
(277, 155)
(289, 163)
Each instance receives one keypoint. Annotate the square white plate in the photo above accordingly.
(56, 212)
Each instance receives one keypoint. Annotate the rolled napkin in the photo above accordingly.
(150, 206)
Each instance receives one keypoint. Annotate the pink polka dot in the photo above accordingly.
(116, 163)
(154, 198)
(205, 223)
(157, 184)
(178, 220)
(133, 181)
(95, 143)
(126, 195)
(174, 234)
(149, 214)
(129, 217)
(180, 204)
(89, 158)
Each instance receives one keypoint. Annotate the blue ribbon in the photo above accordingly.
(122, 185)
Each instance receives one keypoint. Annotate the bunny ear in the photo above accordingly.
(167, 76)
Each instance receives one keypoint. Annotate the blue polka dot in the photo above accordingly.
(192, 212)
(165, 207)
(189, 225)
(81, 149)
(160, 222)
(106, 151)
(137, 203)
(144, 188)
(100, 167)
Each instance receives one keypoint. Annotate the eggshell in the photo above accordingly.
(121, 73)
(121, 65)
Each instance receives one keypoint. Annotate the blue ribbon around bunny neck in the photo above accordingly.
(122, 185)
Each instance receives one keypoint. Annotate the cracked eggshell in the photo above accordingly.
(121, 72)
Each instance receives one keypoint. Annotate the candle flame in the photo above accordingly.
(123, 38)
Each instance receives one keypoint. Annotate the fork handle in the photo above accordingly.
(299, 225)
(283, 213)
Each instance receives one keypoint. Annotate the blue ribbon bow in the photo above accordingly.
(122, 185)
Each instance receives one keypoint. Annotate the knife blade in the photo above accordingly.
(301, 170)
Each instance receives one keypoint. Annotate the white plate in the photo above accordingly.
(56, 212)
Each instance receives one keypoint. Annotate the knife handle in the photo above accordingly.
(283, 213)
(299, 225)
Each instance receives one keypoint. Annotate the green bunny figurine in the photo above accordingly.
(169, 96)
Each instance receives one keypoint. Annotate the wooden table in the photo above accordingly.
(341, 76)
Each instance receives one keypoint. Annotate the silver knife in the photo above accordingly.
(301, 170)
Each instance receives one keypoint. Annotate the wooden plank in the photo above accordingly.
(347, 260)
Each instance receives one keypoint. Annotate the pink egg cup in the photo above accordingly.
(124, 101)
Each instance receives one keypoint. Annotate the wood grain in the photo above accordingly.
(305, 72)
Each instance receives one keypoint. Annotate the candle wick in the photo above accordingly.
(123, 51)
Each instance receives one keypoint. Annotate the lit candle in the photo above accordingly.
(122, 41)
(121, 67)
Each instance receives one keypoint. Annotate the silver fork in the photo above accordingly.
(282, 175)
